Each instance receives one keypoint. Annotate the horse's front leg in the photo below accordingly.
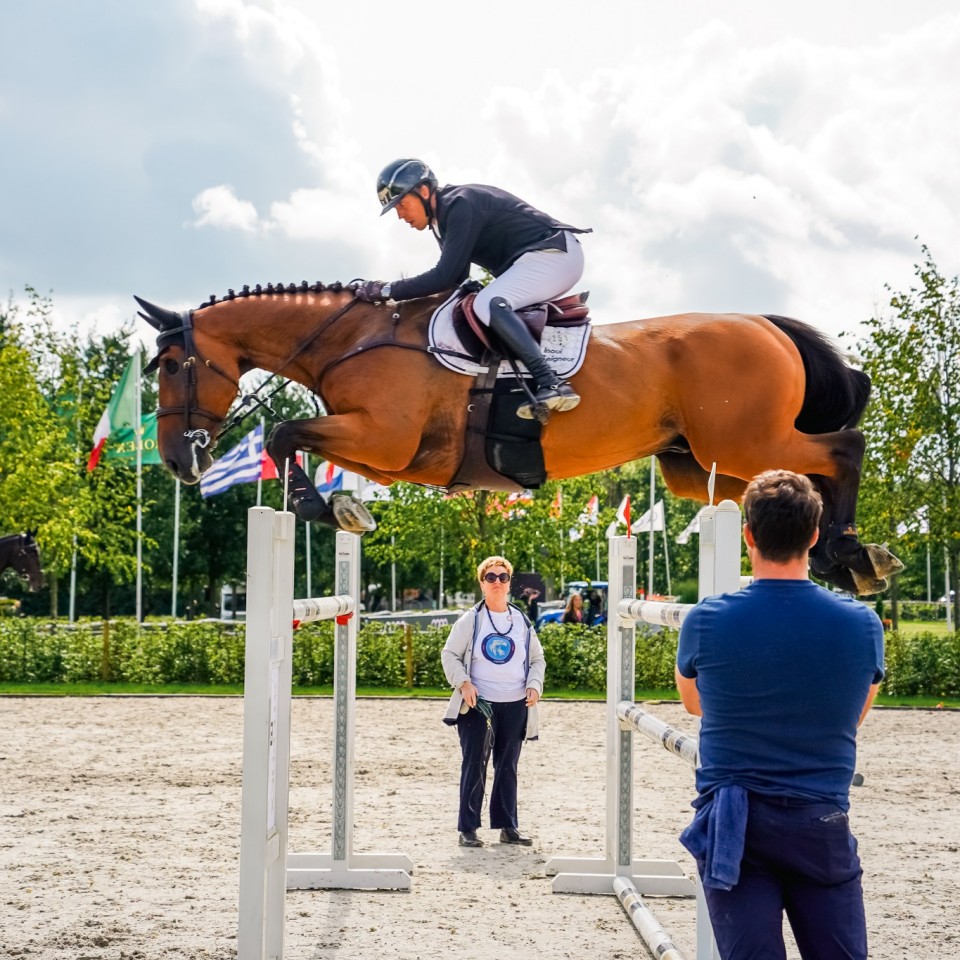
(338, 438)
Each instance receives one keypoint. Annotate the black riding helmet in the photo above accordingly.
(401, 177)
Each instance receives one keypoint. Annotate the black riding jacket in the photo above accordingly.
(482, 225)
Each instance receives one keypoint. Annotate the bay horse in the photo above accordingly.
(748, 393)
(20, 551)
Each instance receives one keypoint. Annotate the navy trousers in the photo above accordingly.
(800, 858)
(508, 726)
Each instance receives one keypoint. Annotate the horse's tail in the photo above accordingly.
(836, 394)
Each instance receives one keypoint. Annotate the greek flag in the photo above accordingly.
(239, 465)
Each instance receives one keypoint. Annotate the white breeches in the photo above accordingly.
(536, 276)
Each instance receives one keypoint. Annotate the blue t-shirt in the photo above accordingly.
(783, 669)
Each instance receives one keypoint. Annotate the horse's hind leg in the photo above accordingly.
(839, 557)
(686, 478)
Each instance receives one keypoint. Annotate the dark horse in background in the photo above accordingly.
(748, 393)
(20, 552)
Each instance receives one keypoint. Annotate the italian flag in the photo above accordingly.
(120, 412)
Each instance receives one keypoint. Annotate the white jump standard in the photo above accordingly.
(266, 868)
(618, 871)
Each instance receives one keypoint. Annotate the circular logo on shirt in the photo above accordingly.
(497, 648)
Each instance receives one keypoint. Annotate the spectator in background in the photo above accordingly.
(573, 612)
(531, 597)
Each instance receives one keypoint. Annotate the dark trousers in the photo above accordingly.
(800, 858)
(508, 726)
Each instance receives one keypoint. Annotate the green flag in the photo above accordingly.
(123, 446)
(120, 411)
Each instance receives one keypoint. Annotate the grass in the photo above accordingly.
(911, 628)
(236, 690)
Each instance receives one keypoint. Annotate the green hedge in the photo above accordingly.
(212, 652)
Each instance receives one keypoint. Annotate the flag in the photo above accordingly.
(651, 521)
(556, 508)
(120, 412)
(242, 464)
(123, 445)
(329, 477)
(268, 469)
(591, 513)
(623, 516)
(692, 527)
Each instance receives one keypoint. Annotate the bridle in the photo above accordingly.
(198, 436)
(21, 551)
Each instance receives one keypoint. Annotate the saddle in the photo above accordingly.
(501, 451)
(570, 311)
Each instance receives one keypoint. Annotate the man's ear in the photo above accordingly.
(424, 190)
(748, 536)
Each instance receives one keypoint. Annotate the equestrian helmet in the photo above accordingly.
(401, 177)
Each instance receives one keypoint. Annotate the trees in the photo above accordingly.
(912, 425)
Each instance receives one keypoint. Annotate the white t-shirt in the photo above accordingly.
(498, 666)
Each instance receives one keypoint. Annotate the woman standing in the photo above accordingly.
(573, 612)
(494, 662)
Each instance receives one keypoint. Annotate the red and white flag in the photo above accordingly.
(120, 413)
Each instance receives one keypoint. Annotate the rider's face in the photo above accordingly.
(410, 209)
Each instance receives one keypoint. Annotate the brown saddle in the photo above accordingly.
(570, 311)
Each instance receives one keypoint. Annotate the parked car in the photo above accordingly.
(594, 593)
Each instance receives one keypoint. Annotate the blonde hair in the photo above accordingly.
(485, 565)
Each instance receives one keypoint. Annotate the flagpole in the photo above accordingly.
(666, 551)
(653, 496)
(138, 439)
(176, 545)
(73, 579)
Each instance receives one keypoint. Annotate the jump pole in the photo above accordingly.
(618, 871)
(267, 870)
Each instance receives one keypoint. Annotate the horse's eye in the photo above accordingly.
(170, 367)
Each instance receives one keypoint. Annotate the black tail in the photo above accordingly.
(836, 394)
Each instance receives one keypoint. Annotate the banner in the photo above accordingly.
(122, 445)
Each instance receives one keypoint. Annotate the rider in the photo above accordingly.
(532, 256)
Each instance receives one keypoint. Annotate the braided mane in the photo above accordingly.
(274, 288)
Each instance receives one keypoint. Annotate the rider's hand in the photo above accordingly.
(371, 291)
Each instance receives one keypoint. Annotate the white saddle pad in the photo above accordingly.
(563, 347)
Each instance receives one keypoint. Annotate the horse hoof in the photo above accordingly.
(867, 586)
(352, 515)
(885, 564)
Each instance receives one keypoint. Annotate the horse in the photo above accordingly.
(21, 552)
(744, 392)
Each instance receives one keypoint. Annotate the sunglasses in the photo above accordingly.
(494, 577)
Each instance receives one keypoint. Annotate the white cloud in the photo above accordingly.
(220, 207)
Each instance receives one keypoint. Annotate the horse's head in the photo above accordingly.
(198, 383)
(21, 552)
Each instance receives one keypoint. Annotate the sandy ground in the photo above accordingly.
(119, 834)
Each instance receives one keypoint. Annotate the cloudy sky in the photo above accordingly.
(730, 157)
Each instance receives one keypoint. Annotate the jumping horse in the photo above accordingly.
(20, 551)
(748, 393)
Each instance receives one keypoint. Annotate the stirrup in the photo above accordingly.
(557, 397)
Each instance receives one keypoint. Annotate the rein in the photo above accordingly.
(191, 407)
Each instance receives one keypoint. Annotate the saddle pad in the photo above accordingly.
(563, 347)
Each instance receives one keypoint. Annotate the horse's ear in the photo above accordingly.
(30, 535)
(158, 317)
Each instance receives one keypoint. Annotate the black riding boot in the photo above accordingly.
(552, 393)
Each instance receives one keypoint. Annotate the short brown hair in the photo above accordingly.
(485, 565)
(783, 510)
